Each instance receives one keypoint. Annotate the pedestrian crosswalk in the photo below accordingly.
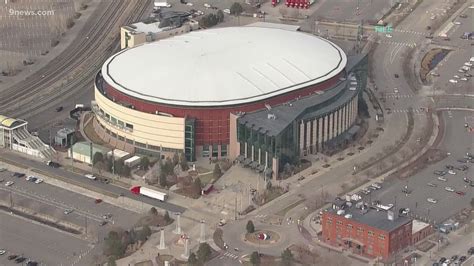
(397, 96)
(261, 216)
(410, 32)
(229, 255)
(407, 44)
(415, 111)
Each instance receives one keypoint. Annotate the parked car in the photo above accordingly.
(451, 172)
(19, 175)
(59, 109)
(442, 259)
(53, 164)
(450, 189)
(449, 167)
(12, 257)
(395, 90)
(103, 223)
(440, 178)
(431, 200)
(453, 81)
(460, 193)
(301, 178)
(9, 183)
(227, 11)
(470, 251)
(68, 211)
(97, 201)
(440, 173)
(39, 181)
(462, 259)
(20, 259)
(467, 180)
(33, 179)
(2, 252)
(432, 184)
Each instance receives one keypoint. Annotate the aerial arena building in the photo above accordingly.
(264, 96)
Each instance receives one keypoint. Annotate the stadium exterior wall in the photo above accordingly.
(212, 123)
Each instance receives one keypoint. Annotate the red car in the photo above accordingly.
(461, 193)
(98, 201)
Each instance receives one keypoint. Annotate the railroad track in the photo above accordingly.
(75, 68)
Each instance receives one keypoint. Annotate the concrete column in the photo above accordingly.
(331, 123)
(340, 121)
(315, 136)
(202, 237)
(350, 114)
(308, 137)
(185, 255)
(356, 107)
(245, 152)
(253, 153)
(337, 123)
(344, 124)
(162, 240)
(320, 132)
(178, 224)
(325, 130)
(301, 137)
(266, 158)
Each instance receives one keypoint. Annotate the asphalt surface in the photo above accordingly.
(80, 178)
(39, 243)
(449, 203)
(53, 201)
(353, 11)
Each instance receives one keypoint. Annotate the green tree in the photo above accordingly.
(250, 227)
(197, 186)
(220, 16)
(111, 261)
(98, 157)
(144, 163)
(163, 182)
(167, 217)
(183, 162)
(212, 20)
(146, 230)
(113, 245)
(204, 252)
(175, 159)
(286, 257)
(217, 171)
(192, 260)
(236, 9)
(153, 211)
(255, 258)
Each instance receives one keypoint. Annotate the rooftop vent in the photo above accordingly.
(390, 215)
(271, 116)
(348, 216)
(340, 212)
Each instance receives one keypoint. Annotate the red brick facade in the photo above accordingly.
(363, 239)
(212, 123)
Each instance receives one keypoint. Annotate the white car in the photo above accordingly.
(91, 176)
(456, 76)
(451, 172)
(431, 200)
(39, 181)
(388, 35)
(189, 4)
(9, 183)
(377, 185)
(450, 189)
(464, 79)
(395, 90)
(440, 178)
(461, 70)
(457, 23)
(68, 211)
(2, 252)
(469, 64)
(28, 178)
(227, 11)
(453, 81)
(206, 5)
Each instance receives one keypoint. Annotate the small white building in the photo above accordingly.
(132, 161)
(118, 154)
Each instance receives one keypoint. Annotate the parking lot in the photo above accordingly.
(456, 142)
(53, 201)
(39, 243)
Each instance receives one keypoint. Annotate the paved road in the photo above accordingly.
(353, 11)
(449, 203)
(39, 243)
(32, 164)
(51, 200)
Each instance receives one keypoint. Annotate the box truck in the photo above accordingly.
(151, 193)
